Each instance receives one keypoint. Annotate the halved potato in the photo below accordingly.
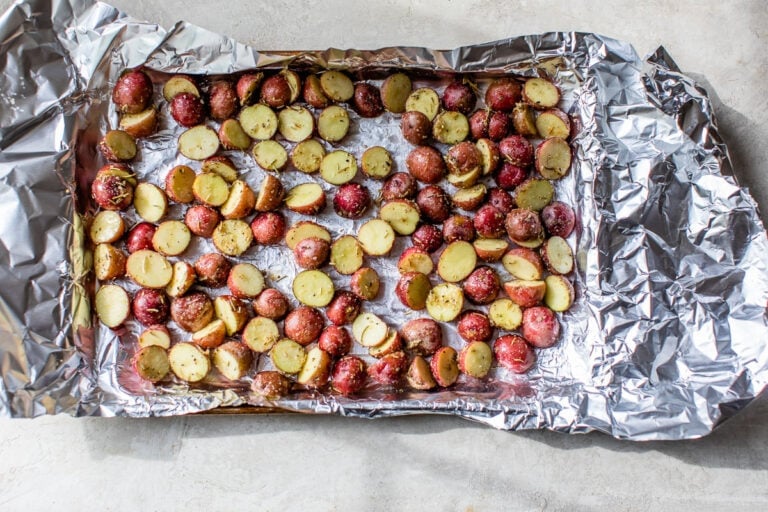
(337, 86)
(295, 123)
(450, 127)
(149, 269)
(199, 142)
(316, 369)
(210, 189)
(210, 336)
(142, 124)
(540, 93)
(557, 255)
(490, 249)
(402, 215)
(534, 194)
(232, 237)
(156, 335)
(259, 121)
(307, 199)
(369, 330)
(270, 155)
(245, 281)
(232, 311)
(307, 155)
(424, 100)
(553, 158)
(346, 255)
(178, 84)
(395, 91)
(151, 363)
(305, 229)
(445, 301)
(469, 198)
(376, 237)
(189, 362)
(489, 152)
(505, 314)
(376, 162)
(260, 334)
(333, 123)
(171, 238)
(232, 359)
(179, 184)
(150, 202)
(112, 305)
(240, 202)
(221, 165)
(338, 167)
(108, 226)
(560, 294)
(270, 195)
(232, 135)
(457, 261)
(108, 262)
(288, 356)
(182, 280)
(313, 288)
(553, 123)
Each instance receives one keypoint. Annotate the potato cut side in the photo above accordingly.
(553, 158)
(179, 184)
(553, 123)
(270, 195)
(525, 294)
(119, 145)
(505, 314)
(402, 215)
(470, 198)
(338, 167)
(182, 279)
(313, 288)
(490, 155)
(475, 359)
(450, 127)
(149, 269)
(142, 124)
(222, 166)
(307, 155)
(557, 255)
(112, 304)
(445, 301)
(337, 86)
(295, 123)
(179, 84)
(260, 334)
(524, 120)
(232, 237)
(240, 202)
(189, 362)
(415, 260)
(108, 226)
(151, 363)
(523, 264)
(210, 189)
(232, 360)
(210, 336)
(369, 330)
(540, 93)
(150, 202)
(307, 199)
(465, 180)
(246, 280)
(305, 229)
(232, 312)
(294, 83)
(395, 91)
(259, 121)
(392, 343)
(121, 172)
(376, 162)
(288, 356)
(316, 369)
(232, 135)
(108, 262)
(490, 249)
(199, 142)
(419, 375)
(155, 336)
(333, 123)
(534, 194)
(444, 367)
(559, 295)
(171, 238)
(376, 237)
(270, 155)
(457, 261)
(346, 255)
(424, 100)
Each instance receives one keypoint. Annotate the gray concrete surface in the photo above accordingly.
(423, 463)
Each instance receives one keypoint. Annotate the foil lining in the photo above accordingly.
(667, 337)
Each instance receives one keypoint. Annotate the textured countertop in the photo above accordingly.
(294, 462)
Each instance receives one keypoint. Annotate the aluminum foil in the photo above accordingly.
(668, 334)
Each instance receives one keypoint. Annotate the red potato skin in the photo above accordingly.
(271, 385)
(422, 336)
(513, 353)
(349, 375)
(268, 228)
(247, 88)
(416, 127)
(212, 270)
(426, 164)
(404, 283)
(222, 100)
(275, 91)
(502, 94)
(140, 237)
(367, 100)
(312, 253)
(510, 176)
(112, 192)
(344, 308)
(271, 304)
(523, 225)
(351, 200)
(335, 340)
(498, 126)
(525, 297)
(150, 307)
(482, 286)
(427, 238)
(202, 220)
(106, 150)
(559, 219)
(304, 325)
(474, 326)
(192, 312)
(400, 185)
(463, 158)
(540, 327)
(187, 109)
(501, 200)
(517, 150)
(313, 93)
(460, 97)
(361, 276)
(434, 204)
(389, 370)
(458, 227)
(478, 124)
(434, 366)
(133, 92)
(489, 222)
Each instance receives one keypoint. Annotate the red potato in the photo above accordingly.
(346, 255)
(179, 183)
(187, 109)
(210, 336)
(312, 253)
(333, 123)
(501, 200)
(389, 370)
(489, 222)
(351, 200)
(349, 375)
(458, 227)
(513, 353)
(140, 237)
(271, 304)
(221, 165)
(369, 330)
(118, 146)
(140, 125)
(307, 156)
(502, 94)
(444, 366)
(149, 269)
(212, 270)
(199, 142)
(393, 343)
(434, 204)
(233, 360)
(112, 305)
(157, 335)
(553, 123)
(171, 238)
(403, 215)
(367, 100)
(463, 158)
(232, 311)
(150, 307)
(271, 385)
(517, 150)
(505, 314)
(419, 376)
(376, 237)
(178, 84)
(524, 225)
(222, 100)
(112, 192)
(422, 336)
(248, 87)
(337, 85)
(459, 96)
(132, 92)
(482, 286)
(474, 326)
(108, 262)
(276, 91)
(294, 83)
(445, 301)
(306, 199)
(412, 289)
(313, 288)
(525, 294)
(400, 185)
(121, 170)
(559, 219)
(313, 93)
(260, 334)
(416, 127)
(183, 278)
(344, 308)
(192, 312)
(295, 124)
(304, 325)
(365, 283)
(456, 261)
(510, 176)
(270, 155)
(478, 124)
(288, 356)
(427, 238)
(553, 158)
(232, 135)
(376, 162)
(540, 327)
(523, 263)
(335, 340)
(559, 295)
(469, 199)
(245, 281)
(475, 359)
(151, 363)
(490, 249)
(540, 93)
(414, 259)
(271, 194)
(534, 194)
(524, 121)
(189, 362)
(499, 124)
(107, 227)
(557, 256)
(240, 202)
(395, 91)
(201, 220)
(268, 228)
(426, 164)
(316, 370)
(450, 127)
(424, 100)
